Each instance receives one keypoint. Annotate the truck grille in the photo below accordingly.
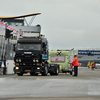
(27, 68)
(27, 60)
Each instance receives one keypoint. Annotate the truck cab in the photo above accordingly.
(31, 55)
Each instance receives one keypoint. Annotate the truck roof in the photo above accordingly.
(29, 40)
(32, 40)
(59, 52)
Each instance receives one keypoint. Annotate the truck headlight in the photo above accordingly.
(19, 60)
(17, 68)
(37, 60)
(33, 60)
(16, 60)
(38, 67)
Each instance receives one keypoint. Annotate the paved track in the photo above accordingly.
(64, 86)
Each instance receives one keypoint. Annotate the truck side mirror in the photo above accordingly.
(14, 47)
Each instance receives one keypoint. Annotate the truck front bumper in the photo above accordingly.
(25, 69)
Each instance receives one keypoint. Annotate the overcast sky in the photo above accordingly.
(66, 24)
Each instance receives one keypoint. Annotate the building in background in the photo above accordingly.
(86, 55)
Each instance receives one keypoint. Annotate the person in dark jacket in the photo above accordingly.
(75, 63)
(5, 67)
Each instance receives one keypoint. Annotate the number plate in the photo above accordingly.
(27, 70)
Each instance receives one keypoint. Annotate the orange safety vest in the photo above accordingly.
(75, 61)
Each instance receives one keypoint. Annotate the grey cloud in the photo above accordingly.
(66, 23)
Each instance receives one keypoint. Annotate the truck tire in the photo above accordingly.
(56, 71)
(45, 73)
(20, 74)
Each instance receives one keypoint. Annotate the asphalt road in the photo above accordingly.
(64, 86)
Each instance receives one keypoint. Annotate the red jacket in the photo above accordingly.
(92, 65)
(75, 61)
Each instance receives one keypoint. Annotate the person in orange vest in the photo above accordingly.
(75, 63)
(92, 66)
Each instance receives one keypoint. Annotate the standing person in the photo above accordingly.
(0, 62)
(75, 63)
(5, 67)
(92, 66)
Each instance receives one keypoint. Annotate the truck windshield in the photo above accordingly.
(29, 47)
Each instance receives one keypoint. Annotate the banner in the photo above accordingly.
(19, 34)
(2, 24)
(88, 52)
(11, 28)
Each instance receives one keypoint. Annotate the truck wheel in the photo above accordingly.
(20, 74)
(45, 73)
(56, 71)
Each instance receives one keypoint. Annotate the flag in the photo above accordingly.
(71, 65)
(19, 34)
(14, 30)
(11, 28)
(2, 24)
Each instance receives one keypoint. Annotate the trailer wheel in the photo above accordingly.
(56, 71)
(45, 73)
(20, 74)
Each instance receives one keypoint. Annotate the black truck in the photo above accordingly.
(31, 56)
